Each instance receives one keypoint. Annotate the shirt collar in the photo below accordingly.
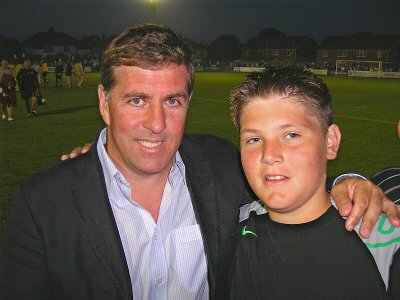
(110, 171)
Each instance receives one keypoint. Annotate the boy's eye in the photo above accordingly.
(253, 140)
(292, 135)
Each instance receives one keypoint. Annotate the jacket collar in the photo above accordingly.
(97, 220)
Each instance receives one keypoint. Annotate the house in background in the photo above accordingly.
(90, 45)
(50, 44)
(199, 52)
(359, 47)
(273, 47)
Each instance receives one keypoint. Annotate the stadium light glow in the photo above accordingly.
(153, 10)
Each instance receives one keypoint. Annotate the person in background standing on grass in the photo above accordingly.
(28, 84)
(78, 71)
(17, 67)
(7, 91)
(388, 179)
(37, 68)
(58, 72)
(44, 70)
(68, 73)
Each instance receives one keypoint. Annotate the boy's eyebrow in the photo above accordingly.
(249, 130)
(283, 126)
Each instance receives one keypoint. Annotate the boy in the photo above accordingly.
(297, 250)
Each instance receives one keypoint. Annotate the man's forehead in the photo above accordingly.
(151, 68)
(173, 75)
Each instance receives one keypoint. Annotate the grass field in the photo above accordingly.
(367, 111)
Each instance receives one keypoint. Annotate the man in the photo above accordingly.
(27, 79)
(147, 213)
(68, 73)
(78, 72)
(7, 91)
(58, 72)
(44, 70)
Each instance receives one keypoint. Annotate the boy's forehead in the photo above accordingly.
(277, 102)
(295, 100)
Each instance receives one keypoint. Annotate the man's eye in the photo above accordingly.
(136, 101)
(172, 101)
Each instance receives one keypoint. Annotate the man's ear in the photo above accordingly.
(103, 104)
(333, 141)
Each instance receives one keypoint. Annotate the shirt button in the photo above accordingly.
(159, 281)
(155, 237)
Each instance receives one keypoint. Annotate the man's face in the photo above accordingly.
(284, 154)
(145, 114)
(4, 64)
(27, 64)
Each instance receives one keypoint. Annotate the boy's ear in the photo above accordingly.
(333, 141)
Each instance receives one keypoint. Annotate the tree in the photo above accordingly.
(9, 47)
(225, 48)
(261, 40)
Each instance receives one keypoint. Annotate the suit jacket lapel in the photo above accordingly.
(93, 206)
(201, 187)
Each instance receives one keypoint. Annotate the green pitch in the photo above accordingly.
(367, 111)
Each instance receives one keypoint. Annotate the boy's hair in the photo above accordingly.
(146, 46)
(311, 91)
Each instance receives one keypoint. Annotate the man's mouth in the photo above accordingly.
(148, 144)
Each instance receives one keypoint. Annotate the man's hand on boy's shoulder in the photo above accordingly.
(77, 151)
(360, 198)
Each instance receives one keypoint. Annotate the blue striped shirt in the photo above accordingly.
(166, 259)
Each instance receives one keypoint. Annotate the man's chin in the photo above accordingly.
(156, 168)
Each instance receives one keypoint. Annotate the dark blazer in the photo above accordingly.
(62, 242)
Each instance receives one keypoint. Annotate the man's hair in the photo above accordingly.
(146, 46)
(310, 91)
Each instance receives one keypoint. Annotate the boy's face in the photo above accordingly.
(284, 154)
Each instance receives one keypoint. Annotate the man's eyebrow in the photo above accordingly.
(147, 96)
(136, 95)
(176, 95)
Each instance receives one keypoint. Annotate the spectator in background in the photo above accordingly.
(58, 72)
(78, 71)
(68, 73)
(7, 91)
(44, 70)
(388, 179)
(17, 67)
(37, 68)
(398, 128)
(28, 84)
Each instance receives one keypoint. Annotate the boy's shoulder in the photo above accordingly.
(247, 209)
(384, 236)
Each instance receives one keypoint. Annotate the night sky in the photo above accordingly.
(203, 20)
